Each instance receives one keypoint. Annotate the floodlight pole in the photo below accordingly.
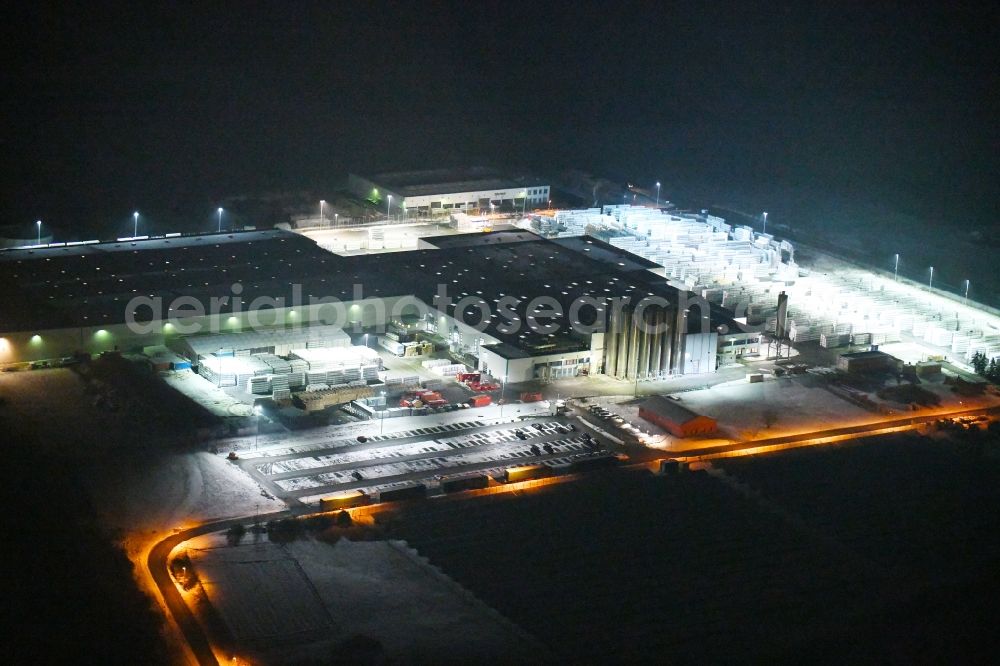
(256, 410)
(135, 224)
(220, 219)
(966, 292)
(388, 206)
(895, 269)
(381, 426)
(503, 384)
(764, 215)
(657, 194)
(39, 224)
(930, 282)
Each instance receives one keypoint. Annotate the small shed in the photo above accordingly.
(675, 418)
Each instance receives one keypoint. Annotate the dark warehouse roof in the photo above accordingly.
(90, 285)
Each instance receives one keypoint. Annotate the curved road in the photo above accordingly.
(157, 565)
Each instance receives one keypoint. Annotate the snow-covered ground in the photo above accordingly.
(206, 394)
(319, 595)
(773, 408)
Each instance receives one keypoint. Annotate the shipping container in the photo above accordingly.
(480, 401)
(458, 484)
(344, 500)
(531, 397)
(526, 472)
(409, 491)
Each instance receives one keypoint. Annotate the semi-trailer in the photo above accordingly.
(458, 484)
(345, 500)
(526, 473)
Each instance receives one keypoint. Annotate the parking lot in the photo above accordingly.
(306, 473)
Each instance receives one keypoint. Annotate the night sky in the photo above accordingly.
(169, 109)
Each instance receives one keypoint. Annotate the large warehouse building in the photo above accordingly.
(440, 191)
(60, 300)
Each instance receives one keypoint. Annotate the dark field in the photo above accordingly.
(878, 552)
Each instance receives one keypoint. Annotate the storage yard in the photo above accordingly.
(830, 302)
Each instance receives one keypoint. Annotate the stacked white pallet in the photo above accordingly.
(448, 370)
(316, 377)
(312, 388)
(802, 331)
(434, 362)
(960, 343)
(279, 387)
(861, 338)
(920, 326)
(904, 321)
(938, 336)
(276, 364)
(296, 379)
(259, 385)
(544, 225)
(298, 365)
(889, 335)
(833, 341)
(319, 366)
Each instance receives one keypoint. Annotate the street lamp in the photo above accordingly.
(135, 224)
(257, 411)
(336, 219)
(381, 425)
(895, 269)
(657, 194)
(503, 392)
(366, 340)
(388, 205)
(765, 222)
(39, 224)
(930, 282)
(219, 211)
(322, 204)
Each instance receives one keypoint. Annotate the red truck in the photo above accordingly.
(483, 386)
(467, 377)
(423, 398)
(531, 397)
(480, 401)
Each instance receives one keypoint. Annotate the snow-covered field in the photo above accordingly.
(319, 595)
